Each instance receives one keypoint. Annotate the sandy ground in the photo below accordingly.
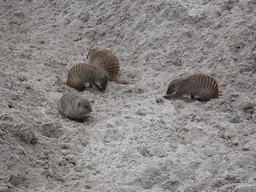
(134, 140)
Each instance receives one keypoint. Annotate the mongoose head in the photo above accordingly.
(82, 107)
(175, 89)
(103, 79)
(91, 53)
(172, 86)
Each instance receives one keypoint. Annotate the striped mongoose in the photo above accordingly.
(200, 85)
(80, 74)
(107, 61)
(74, 106)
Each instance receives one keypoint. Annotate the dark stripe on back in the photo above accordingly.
(205, 84)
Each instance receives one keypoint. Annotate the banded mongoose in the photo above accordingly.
(74, 106)
(80, 74)
(107, 61)
(200, 85)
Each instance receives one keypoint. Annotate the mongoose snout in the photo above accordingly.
(200, 85)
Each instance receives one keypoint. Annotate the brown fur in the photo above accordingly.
(80, 74)
(203, 86)
(107, 61)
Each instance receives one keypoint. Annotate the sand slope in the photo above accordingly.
(134, 140)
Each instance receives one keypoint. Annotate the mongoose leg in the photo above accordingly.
(192, 96)
(77, 83)
(80, 87)
(203, 99)
(80, 120)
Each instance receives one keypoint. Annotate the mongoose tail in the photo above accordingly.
(122, 81)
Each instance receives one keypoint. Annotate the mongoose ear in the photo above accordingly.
(79, 104)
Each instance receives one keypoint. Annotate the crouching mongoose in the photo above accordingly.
(74, 106)
(80, 74)
(107, 61)
(200, 85)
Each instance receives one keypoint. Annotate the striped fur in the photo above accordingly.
(200, 85)
(107, 61)
(80, 74)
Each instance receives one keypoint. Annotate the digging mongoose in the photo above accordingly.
(74, 106)
(200, 85)
(107, 61)
(83, 73)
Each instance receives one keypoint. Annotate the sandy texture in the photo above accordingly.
(134, 140)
